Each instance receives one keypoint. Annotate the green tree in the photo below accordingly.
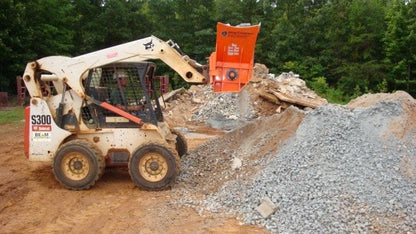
(13, 41)
(283, 40)
(162, 19)
(122, 22)
(400, 45)
(90, 31)
(311, 28)
(197, 26)
(367, 27)
(190, 24)
(51, 31)
(32, 30)
(354, 52)
(340, 47)
(230, 11)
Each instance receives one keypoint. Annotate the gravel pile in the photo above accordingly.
(239, 154)
(226, 110)
(342, 171)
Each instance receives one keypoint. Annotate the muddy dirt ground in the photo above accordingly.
(31, 200)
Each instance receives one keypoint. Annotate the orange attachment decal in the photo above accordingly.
(231, 65)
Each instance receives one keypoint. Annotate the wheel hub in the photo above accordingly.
(75, 166)
(153, 167)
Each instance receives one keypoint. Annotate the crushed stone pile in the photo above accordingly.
(342, 169)
(239, 154)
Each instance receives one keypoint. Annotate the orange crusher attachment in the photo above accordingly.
(231, 65)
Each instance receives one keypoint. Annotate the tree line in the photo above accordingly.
(342, 48)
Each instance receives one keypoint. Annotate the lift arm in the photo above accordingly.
(231, 65)
(71, 70)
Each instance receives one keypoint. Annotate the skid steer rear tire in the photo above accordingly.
(78, 164)
(181, 145)
(154, 166)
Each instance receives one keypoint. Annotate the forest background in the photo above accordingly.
(341, 48)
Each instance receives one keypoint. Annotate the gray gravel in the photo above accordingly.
(341, 172)
(226, 110)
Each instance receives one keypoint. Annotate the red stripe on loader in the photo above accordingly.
(27, 130)
(121, 112)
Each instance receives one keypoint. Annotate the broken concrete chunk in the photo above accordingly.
(197, 101)
(260, 70)
(266, 208)
(236, 163)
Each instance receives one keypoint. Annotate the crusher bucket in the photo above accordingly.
(231, 65)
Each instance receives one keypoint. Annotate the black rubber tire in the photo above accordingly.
(181, 144)
(70, 160)
(168, 162)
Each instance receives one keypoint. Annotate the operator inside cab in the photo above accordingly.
(117, 96)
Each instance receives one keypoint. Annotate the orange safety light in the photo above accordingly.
(231, 65)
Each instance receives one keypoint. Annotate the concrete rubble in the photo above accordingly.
(263, 96)
(266, 208)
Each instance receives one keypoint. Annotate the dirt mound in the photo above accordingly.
(400, 127)
(367, 100)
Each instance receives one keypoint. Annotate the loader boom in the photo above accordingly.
(72, 70)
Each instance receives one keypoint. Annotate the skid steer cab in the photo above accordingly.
(118, 123)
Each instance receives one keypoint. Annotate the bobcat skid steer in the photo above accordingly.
(102, 108)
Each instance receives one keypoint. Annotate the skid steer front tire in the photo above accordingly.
(154, 166)
(77, 165)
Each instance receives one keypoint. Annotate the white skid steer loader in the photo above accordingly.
(102, 109)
